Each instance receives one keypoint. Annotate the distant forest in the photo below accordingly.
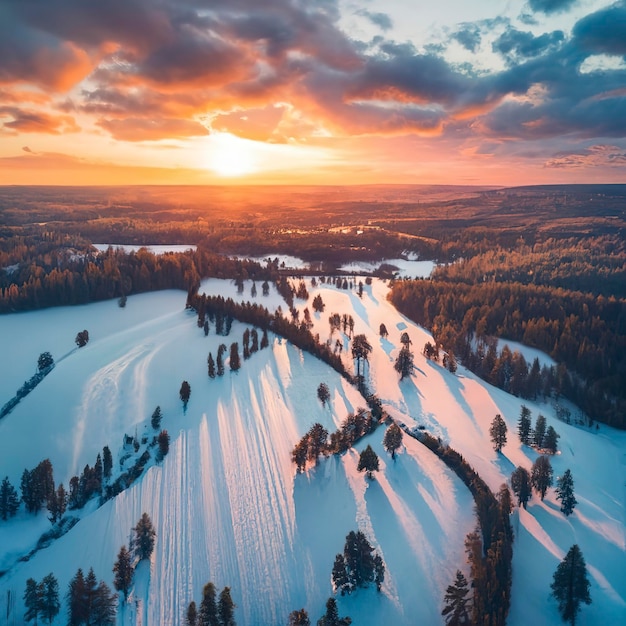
(545, 266)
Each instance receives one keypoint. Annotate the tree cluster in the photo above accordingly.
(90, 601)
(214, 610)
(358, 566)
(41, 600)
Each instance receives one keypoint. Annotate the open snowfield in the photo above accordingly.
(226, 502)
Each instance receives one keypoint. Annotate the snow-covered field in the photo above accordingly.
(226, 502)
(154, 248)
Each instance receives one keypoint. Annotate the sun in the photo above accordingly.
(231, 156)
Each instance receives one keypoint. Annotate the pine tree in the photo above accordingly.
(77, 598)
(164, 444)
(226, 608)
(9, 500)
(103, 606)
(455, 610)
(44, 361)
(541, 475)
(341, 581)
(208, 607)
(317, 437)
(157, 416)
(360, 563)
(143, 543)
(392, 439)
(107, 462)
(550, 440)
(264, 340)
(520, 483)
(382, 331)
(299, 453)
(299, 618)
(361, 349)
(570, 586)
(318, 304)
(234, 362)
(254, 341)
(49, 599)
(565, 493)
(191, 618)
(219, 364)
(323, 393)
(31, 600)
(404, 362)
(524, 425)
(498, 431)
(368, 461)
(123, 570)
(379, 571)
(185, 393)
(540, 431)
(331, 617)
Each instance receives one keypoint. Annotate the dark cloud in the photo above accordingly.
(593, 156)
(514, 44)
(382, 20)
(469, 37)
(26, 121)
(27, 149)
(603, 31)
(551, 6)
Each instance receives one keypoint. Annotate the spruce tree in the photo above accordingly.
(254, 341)
(219, 364)
(341, 582)
(565, 493)
(31, 600)
(191, 618)
(456, 610)
(392, 439)
(9, 500)
(317, 437)
(103, 606)
(299, 618)
(540, 431)
(524, 425)
(379, 571)
(123, 570)
(264, 340)
(208, 606)
(164, 444)
(157, 416)
(498, 431)
(368, 461)
(404, 362)
(77, 598)
(185, 393)
(107, 462)
(226, 608)
(323, 393)
(234, 362)
(144, 537)
(520, 483)
(299, 454)
(331, 617)
(541, 475)
(570, 586)
(49, 600)
(550, 440)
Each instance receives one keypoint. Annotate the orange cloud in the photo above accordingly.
(26, 121)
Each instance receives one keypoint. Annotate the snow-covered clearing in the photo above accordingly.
(226, 502)
(154, 248)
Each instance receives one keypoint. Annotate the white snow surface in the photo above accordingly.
(154, 248)
(226, 502)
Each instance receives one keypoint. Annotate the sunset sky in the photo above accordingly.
(312, 91)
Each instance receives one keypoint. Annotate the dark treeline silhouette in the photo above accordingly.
(586, 334)
(52, 271)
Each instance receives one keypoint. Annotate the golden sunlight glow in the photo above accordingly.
(231, 156)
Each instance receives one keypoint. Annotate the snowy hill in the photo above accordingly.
(226, 502)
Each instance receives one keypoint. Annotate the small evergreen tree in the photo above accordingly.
(235, 362)
(540, 431)
(318, 304)
(565, 493)
(524, 425)
(164, 444)
(299, 618)
(205, 327)
(44, 361)
(191, 618)
(379, 571)
(143, 542)
(300, 453)
(323, 393)
(404, 362)
(208, 606)
(77, 598)
(550, 440)
(49, 604)
(265, 288)
(331, 617)
(341, 581)
(157, 416)
(226, 608)
(254, 341)
(9, 500)
(498, 431)
(317, 437)
(123, 570)
(107, 462)
(103, 606)
(382, 331)
(570, 586)
(456, 610)
(368, 461)
(82, 338)
(185, 393)
(264, 340)
(393, 439)
(31, 600)
(520, 483)
(220, 364)
(541, 475)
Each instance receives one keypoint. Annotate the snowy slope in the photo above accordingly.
(226, 502)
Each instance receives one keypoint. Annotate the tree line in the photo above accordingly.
(586, 334)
